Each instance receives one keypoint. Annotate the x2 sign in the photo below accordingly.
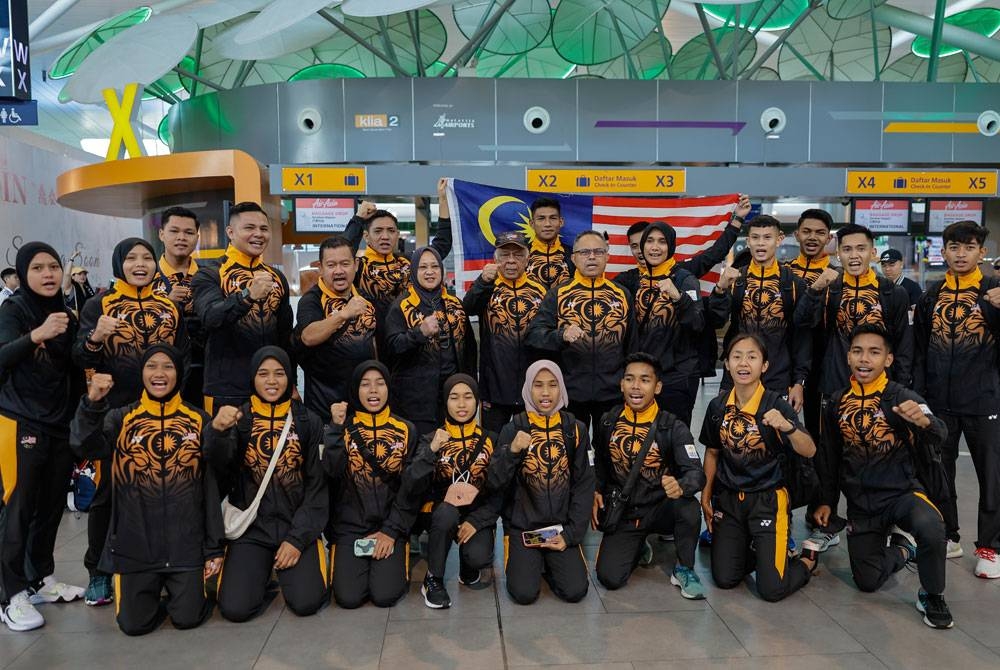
(15, 63)
(912, 182)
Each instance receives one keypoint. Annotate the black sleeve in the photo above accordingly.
(354, 231)
(581, 497)
(690, 474)
(311, 516)
(719, 305)
(690, 312)
(442, 238)
(94, 430)
(921, 340)
(477, 298)
(700, 264)
(936, 432)
(828, 462)
(286, 319)
(405, 508)
(84, 356)
(418, 474)
(213, 307)
(220, 447)
(602, 453)
(802, 337)
(215, 529)
(710, 427)
(401, 339)
(487, 512)
(504, 463)
(333, 451)
(809, 309)
(15, 338)
(902, 337)
(544, 332)
(308, 311)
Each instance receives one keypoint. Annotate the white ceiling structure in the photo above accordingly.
(287, 26)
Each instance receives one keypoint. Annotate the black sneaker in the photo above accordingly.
(435, 595)
(900, 538)
(935, 610)
(468, 576)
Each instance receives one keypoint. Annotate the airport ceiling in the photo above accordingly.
(79, 47)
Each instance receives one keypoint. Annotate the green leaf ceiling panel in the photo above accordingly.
(163, 130)
(327, 71)
(542, 62)
(588, 32)
(170, 82)
(914, 68)
(70, 59)
(848, 9)
(344, 50)
(522, 27)
(984, 21)
(837, 50)
(694, 60)
(649, 58)
(779, 13)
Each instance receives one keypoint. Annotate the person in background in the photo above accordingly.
(176, 268)
(891, 261)
(957, 331)
(116, 328)
(996, 268)
(76, 284)
(243, 304)
(543, 467)
(549, 264)
(166, 521)
(37, 398)
(10, 283)
(629, 279)
(506, 300)
(284, 538)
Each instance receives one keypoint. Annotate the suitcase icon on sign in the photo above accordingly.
(351, 180)
(583, 182)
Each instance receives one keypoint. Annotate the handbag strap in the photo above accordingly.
(273, 462)
(475, 454)
(369, 457)
(633, 473)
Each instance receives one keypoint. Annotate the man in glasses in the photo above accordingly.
(588, 322)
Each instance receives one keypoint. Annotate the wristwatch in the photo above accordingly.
(789, 432)
(245, 294)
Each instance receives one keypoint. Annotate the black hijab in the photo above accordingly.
(39, 305)
(668, 232)
(122, 250)
(432, 297)
(280, 355)
(178, 360)
(452, 382)
(354, 401)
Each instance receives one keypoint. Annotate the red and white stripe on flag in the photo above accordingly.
(698, 221)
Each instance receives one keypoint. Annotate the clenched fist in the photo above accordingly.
(667, 286)
(55, 324)
(338, 413)
(775, 419)
(260, 285)
(490, 272)
(825, 278)
(106, 325)
(520, 442)
(671, 487)
(911, 411)
(99, 386)
(572, 333)
(439, 439)
(429, 326)
(354, 308)
(366, 209)
(727, 278)
(226, 418)
(743, 206)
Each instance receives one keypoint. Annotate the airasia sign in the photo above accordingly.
(883, 216)
(943, 213)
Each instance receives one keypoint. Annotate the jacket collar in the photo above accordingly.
(460, 430)
(772, 269)
(867, 279)
(240, 258)
(647, 415)
(159, 408)
(586, 281)
(663, 269)
(264, 408)
(369, 420)
(329, 292)
(126, 289)
(170, 271)
(820, 263)
(972, 280)
(548, 249)
(517, 283)
(753, 406)
(877, 386)
(373, 255)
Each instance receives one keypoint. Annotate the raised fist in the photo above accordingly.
(99, 386)
(439, 439)
(226, 418)
(55, 324)
(520, 442)
(338, 413)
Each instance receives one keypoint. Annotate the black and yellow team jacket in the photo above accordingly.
(505, 308)
(369, 498)
(165, 514)
(295, 506)
(328, 366)
(37, 383)
(618, 440)
(551, 482)
(461, 458)
(549, 264)
(957, 334)
(166, 279)
(666, 329)
(593, 364)
(145, 317)
(869, 450)
(697, 265)
(383, 279)
(235, 325)
(763, 301)
(846, 304)
(808, 269)
(750, 453)
(419, 364)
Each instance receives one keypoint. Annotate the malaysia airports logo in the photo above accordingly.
(447, 122)
(376, 122)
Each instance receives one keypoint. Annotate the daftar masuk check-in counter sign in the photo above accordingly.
(609, 181)
(982, 183)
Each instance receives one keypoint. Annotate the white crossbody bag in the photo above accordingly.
(236, 520)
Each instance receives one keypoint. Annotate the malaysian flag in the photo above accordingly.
(480, 212)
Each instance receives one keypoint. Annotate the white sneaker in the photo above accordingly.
(55, 592)
(987, 566)
(20, 614)
(954, 550)
(821, 540)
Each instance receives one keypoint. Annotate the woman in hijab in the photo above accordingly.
(115, 331)
(449, 471)
(367, 447)
(36, 403)
(166, 524)
(544, 466)
(284, 537)
(429, 339)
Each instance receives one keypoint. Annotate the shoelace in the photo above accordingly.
(986, 554)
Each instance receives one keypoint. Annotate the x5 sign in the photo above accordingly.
(912, 182)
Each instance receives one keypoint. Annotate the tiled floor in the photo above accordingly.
(646, 625)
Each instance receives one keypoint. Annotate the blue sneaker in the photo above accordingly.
(688, 582)
(705, 539)
(99, 591)
(791, 543)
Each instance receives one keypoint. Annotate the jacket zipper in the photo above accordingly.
(163, 488)
(953, 327)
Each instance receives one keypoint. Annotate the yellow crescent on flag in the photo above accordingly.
(486, 212)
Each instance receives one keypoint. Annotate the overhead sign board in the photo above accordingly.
(883, 216)
(305, 179)
(916, 182)
(620, 182)
(15, 62)
(323, 215)
(14, 113)
(943, 213)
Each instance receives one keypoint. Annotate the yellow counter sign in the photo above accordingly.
(912, 182)
(607, 181)
(324, 180)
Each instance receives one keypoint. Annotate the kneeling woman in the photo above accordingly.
(366, 450)
(166, 524)
(284, 535)
(458, 454)
(747, 435)
(543, 459)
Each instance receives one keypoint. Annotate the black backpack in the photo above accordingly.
(926, 459)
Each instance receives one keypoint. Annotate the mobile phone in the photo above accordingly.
(535, 538)
(364, 547)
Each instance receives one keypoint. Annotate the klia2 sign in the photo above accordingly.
(15, 70)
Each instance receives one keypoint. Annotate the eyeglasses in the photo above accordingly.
(596, 253)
